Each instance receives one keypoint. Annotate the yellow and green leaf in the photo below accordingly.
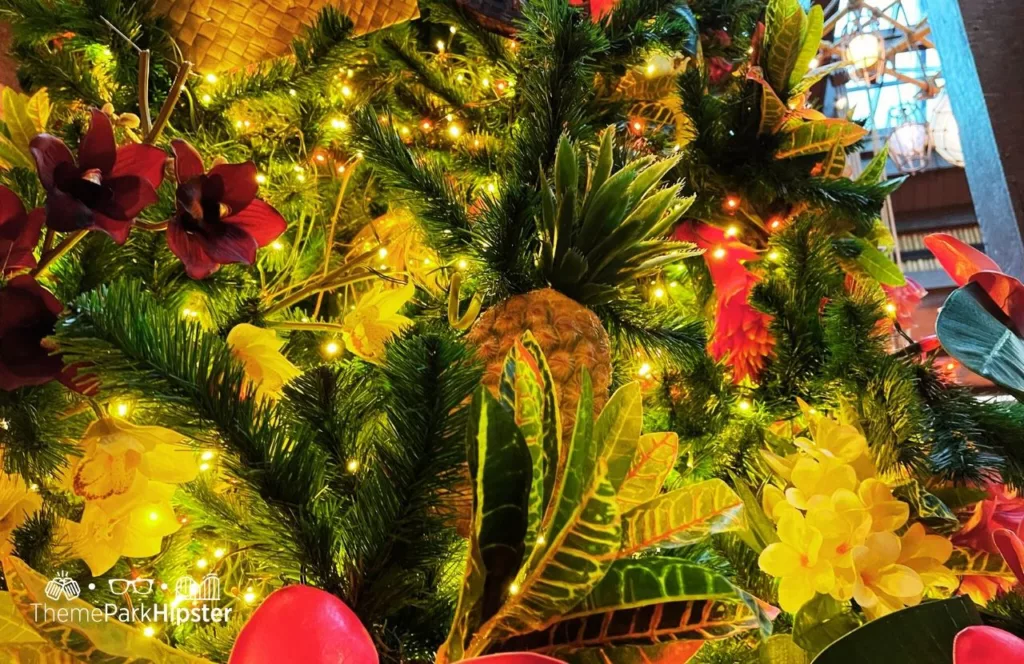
(818, 136)
(773, 111)
(617, 430)
(809, 44)
(835, 161)
(104, 641)
(978, 563)
(528, 391)
(784, 27)
(499, 463)
(574, 552)
(653, 460)
(681, 517)
(874, 172)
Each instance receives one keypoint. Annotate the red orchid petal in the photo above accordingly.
(11, 206)
(145, 161)
(232, 184)
(98, 149)
(187, 162)
(66, 213)
(981, 644)
(1011, 548)
(1006, 292)
(229, 244)
(131, 195)
(30, 312)
(48, 152)
(118, 229)
(189, 250)
(18, 239)
(260, 220)
(958, 259)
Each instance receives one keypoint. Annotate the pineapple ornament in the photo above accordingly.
(594, 245)
(217, 36)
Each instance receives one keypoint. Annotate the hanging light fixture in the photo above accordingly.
(909, 145)
(865, 51)
(944, 133)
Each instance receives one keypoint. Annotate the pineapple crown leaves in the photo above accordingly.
(613, 233)
(556, 523)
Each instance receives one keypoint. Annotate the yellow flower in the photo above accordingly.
(773, 502)
(781, 466)
(126, 475)
(259, 351)
(136, 531)
(17, 503)
(832, 439)
(375, 320)
(398, 241)
(925, 554)
(877, 581)
(887, 512)
(797, 561)
(844, 524)
(814, 482)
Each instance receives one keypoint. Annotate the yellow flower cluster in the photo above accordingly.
(836, 523)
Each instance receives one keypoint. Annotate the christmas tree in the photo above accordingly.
(535, 329)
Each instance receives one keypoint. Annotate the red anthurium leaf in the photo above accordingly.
(98, 149)
(513, 658)
(145, 161)
(1011, 548)
(1006, 292)
(981, 644)
(187, 162)
(958, 259)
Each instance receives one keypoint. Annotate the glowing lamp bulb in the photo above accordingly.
(352, 465)
(440, 45)
(276, 245)
(718, 253)
(732, 203)
(774, 224)
(346, 91)
(454, 130)
(202, 563)
(154, 516)
(218, 552)
(645, 370)
(426, 125)
(207, 455)
(890, 308)
(339, 123)
(486, 82)
(462, 264)
(211, 78)
(331, 348)
(207, 99)
(121, 409)
(659, 292)
(950, 366)
(148, 632)
(732, 231)
(249, 597)
(773, 255)
(513, 589)
(744, 405)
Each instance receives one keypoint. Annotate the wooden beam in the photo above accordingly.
(982, 54)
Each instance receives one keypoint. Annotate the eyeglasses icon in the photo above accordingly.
(137, 586)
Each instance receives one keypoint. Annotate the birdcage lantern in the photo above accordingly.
(909, 144)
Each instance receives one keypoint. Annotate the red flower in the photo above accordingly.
(218, 220)
(108, 186)
(1003, 509)
(19, 233)
(28, 314)
(981, 644)
(905, 298)
(742, 335)
(718, 69)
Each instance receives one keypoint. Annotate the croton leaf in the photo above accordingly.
(500, 465)
(773, 110)
(978, 563)
(818, 136)
(681, 517)
(528, 391)
(617, 430)
(106, 641)
(822, 621)
(673, 652)
(921, 634)
(812, 77)
(959, 259)
(649, 599)
(870, 259)
(652, 462)
(784, 28)
(25, 116)
(874, 172)
(928, 508)
(978, 334)
(578, 540)
(809, 44)
(835, 160)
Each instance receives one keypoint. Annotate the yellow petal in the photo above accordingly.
(792, 530)
(900, 581)
(885, 548)
(170, 463)
(779, 560)
(794, 592)
(823, 577)
(147, 526)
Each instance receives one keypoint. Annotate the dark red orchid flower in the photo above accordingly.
(218, 219)
(28, 314)
(106, 188)
(19, 233)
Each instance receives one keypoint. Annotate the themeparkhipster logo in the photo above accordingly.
(194, 602)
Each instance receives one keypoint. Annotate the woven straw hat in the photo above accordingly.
(217, 35)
